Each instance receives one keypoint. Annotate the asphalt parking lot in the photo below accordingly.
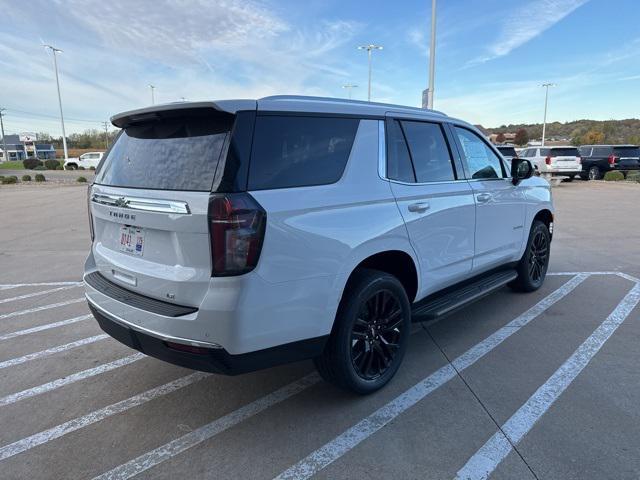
(543, 385)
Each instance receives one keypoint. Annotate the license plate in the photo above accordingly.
(132, 240)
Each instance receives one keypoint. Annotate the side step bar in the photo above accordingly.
(440, 305)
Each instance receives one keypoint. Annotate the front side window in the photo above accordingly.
(483, 163)
(429, 151)
(297, 151)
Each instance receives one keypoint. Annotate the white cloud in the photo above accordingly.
(526, 23)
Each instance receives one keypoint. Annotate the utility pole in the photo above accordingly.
(432, 57)
(153, 98)
(106, 134)
(546, 99)
(369, 48)
(55, 67)
(349, 87)
(4, 141)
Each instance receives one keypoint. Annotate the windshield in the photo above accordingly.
(168, 154)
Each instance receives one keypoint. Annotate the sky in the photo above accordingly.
(491, 57)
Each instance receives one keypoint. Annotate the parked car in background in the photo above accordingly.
(234, 235)
(507, 151)
(599, 159)
(86, 160)
(561, 161)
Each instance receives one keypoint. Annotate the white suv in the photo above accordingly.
(86, 160)
(555, 161)
(235, 235)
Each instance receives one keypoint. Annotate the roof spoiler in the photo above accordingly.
(141, 115)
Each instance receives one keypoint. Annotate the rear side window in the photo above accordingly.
(296, 151)
(398, 160)
(179, 153)
(429, 151)
(565, 152)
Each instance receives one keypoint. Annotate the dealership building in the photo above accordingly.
(25, 145)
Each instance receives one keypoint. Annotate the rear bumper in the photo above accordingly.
(212, 359)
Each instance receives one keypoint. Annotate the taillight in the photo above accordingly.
(612, 159)
(93, 235)
(236, 227)
(548, 160)
(579, 159)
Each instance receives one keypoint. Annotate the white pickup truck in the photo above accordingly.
(86, 160)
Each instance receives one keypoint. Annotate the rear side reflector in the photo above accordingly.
(236, 228)
(187, 348)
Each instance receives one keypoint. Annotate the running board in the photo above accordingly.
(451, 300)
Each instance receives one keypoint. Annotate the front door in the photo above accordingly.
(437, 207)
(500, 206)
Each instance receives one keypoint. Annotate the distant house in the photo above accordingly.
(509, 137)
(21, 149)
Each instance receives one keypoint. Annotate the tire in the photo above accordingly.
(370, 333)
(569, 179)
(532, 267)
(594, 173)
(71, 166)
(584, 176)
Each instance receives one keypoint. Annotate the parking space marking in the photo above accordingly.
(41, 308)
(77, 423)
(191, 439)
(491, 454)
(353, 436)
(75, 377)
(51, 351)
(40, 328)
(35, 294)
(626, 276)
(8, 286)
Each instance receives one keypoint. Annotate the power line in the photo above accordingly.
(44, 115)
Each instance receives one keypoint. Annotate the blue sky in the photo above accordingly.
(492, 55)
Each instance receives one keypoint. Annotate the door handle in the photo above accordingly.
(484, 197)
(419, 207)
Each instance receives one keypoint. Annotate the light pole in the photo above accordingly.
(4, 141)
(153, 98)
(349, 87)
(432, 56)
(55, 67)
(106, 134)
(546, 98)
(369, 48)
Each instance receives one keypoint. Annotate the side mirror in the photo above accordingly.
(521, 169)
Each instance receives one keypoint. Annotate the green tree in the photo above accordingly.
(594, 137)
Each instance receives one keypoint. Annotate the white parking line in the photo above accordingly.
(491, 454)
(35, 294)
(8, 286)
(50, 351)
(351, 437)
(75, 377)
(97, 415)
(40, 328)
(191, 439)
(39, 309)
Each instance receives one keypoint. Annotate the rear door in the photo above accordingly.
(149, 204)
(500, 206)
(435, 201)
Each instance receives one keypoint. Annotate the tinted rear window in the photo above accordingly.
(429, 151)
(627, 151)
(296, 151)
(564, 152)
(508, 151)
(169, 154)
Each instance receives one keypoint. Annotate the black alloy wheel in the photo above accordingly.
(376, 335)
(538, 256)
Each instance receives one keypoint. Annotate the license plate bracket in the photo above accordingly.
(132, 240)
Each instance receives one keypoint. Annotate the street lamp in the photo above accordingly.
(55, 67)
(349, 87)
(369, 48)
(432, 56)
(546, 98)
(153, 98)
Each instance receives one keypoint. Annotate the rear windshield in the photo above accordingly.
(564, 152)
(508, 151)
(296, 151)
(627, 151)
(167, 154)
